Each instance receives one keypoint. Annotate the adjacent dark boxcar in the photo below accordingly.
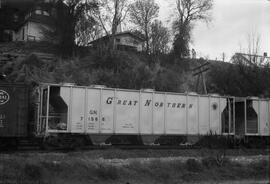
(13, 110)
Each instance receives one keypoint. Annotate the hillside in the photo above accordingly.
(39, 62)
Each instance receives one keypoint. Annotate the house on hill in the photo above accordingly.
(125, 41)
(25, 20)
(251, 59)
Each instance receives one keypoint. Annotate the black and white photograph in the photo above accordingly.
(134, 91)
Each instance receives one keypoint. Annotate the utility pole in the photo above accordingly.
(199, 71)
(223, 56)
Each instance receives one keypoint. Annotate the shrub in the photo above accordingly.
(260, 168)
(52, 166)
(107, 172)
(219, 159)
(154, 164)
(32, 171)
(215, 141)
(209, 162)
(193, 165)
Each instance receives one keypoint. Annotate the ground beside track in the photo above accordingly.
(136, 166)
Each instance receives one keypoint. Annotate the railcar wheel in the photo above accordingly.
(65, 141)
(171, 140)
(125, 140)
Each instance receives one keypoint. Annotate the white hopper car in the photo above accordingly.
(101, 112)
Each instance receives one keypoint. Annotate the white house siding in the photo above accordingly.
(32, 31)
(35, 31)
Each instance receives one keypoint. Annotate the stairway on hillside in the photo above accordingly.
(11, 51)
(12, 56)
(45, 57)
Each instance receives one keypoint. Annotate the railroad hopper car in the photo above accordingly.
(101, 113)
(13, 112)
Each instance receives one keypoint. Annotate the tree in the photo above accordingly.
(65, 21)
(254, 43)
(142, 13)
(252, 68)
(188, 12)
(250, 54)
(110, 15)
(87, 29)
(159, 38)
(181, 39)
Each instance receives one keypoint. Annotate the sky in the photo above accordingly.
(232, 21)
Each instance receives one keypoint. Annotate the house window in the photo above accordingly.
(23, 33)
(31, 38)
(38, 12)
(15, 18)
(46, 13)
(7, 35)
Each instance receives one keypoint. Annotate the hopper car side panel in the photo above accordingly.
(77, 110)
(192, 115)
(214, 115)
(127, 112)
(264, 118)
(158, 113)
(176, 116)
(92, 111)
(204, 115)
(65, 94)
(253, 119)
(146, 115)
(268, 125)
(107, 110)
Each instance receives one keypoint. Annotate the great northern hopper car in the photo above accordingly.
(101, 113)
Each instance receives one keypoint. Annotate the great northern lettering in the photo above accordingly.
(146, 103)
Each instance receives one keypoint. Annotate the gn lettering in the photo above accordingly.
(2, 120)
(94, 116)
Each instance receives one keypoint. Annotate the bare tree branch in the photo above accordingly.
(142, 13)
(188, 12)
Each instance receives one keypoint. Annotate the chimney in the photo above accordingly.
(265, 54)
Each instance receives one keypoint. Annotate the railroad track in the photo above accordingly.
(35, 148)
(37, 145)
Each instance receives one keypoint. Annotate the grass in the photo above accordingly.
(195, 171)
(51, 168)
(125, 154)
(107, 172)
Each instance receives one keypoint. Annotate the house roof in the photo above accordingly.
(22, 5)
(252, 58)
(119, 34)
(21, 8)
(42, 19)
